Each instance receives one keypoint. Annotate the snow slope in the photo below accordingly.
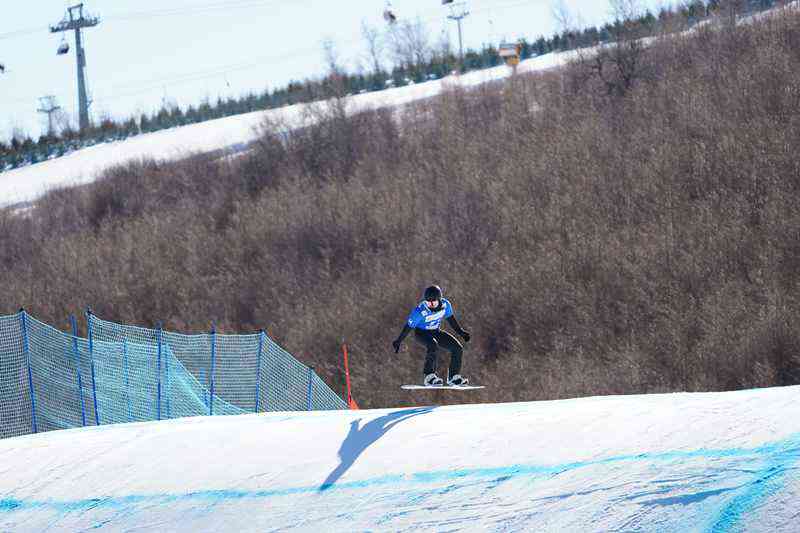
(25, 184)
(672, 463)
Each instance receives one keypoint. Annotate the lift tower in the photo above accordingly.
(49, 106)
(457, 13)
(75, 20)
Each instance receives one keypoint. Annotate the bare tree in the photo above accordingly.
(375, 46)
(565, 21)
(620, 64)
(63, 123)
(443, 48)
(623, 10)
(409, 43)
(331, 56)
(18, 134)
(730, 9)
(335, 80)
(568, 23)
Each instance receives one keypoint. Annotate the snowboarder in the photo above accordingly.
(425, 320)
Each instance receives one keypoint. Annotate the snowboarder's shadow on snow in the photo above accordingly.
(359, 439)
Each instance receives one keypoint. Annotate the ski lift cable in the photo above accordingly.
(142, 88)
(155, 83)
(216, 71)
(437, 13)
(242, 4)
(21, 33)
(150, 85)
(502, 7)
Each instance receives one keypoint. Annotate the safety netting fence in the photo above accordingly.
(51, 380)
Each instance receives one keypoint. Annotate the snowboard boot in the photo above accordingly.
(457, 381)
(432, 380)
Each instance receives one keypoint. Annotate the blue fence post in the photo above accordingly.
(310, 385)
(167, 384)
(91, 365)
(258, 365)
(127, 377)
(158, 371)
(211, 374)
(205, 390)
(27, 350)
(74, 325)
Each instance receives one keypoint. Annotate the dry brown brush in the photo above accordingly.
(644, 238)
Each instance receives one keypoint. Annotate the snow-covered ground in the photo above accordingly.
(25, 184)
(672, 463)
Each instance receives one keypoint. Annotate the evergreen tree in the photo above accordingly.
(176, 117)
(130, 128)
(144, 124)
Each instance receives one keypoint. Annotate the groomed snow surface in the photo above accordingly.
(672, 463)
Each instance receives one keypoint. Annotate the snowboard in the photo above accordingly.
(440, 387)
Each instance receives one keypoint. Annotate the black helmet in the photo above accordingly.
(433, 293)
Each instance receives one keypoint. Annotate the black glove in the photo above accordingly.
(464, 335)
(396, 343)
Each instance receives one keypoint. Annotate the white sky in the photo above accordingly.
(148, 50)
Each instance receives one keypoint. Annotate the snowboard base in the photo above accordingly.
(440, 387)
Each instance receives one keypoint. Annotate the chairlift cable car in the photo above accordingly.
(388, 14)
(63, 48)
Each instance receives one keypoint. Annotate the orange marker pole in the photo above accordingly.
(351, 403)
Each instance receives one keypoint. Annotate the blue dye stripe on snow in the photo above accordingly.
(767, 481)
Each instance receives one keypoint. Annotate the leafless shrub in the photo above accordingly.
(639, 239)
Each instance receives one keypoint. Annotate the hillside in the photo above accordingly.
(678, 462)
(227, 135)
(626, 224)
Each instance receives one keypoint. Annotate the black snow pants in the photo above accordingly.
(435, 339)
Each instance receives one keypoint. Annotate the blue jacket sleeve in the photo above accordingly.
(448, 312)
(413, 319)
